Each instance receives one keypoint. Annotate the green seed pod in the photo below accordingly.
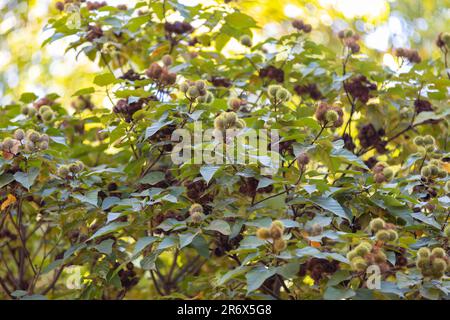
(30, 146)
(331, 116)
(418, 141)
(47, 116)
(316, 229)
(200, 84)
(209, 98)
(192, 92)
(43, 145)
(423, 263)
(44, 137)
(272, 90)
(442, 174)
(44, 109)
(438, 253)
(33, 135)
(196, 207)
(80, 165)
(388, 173)
(383, 235)
(74, 168)
(424, 253)
(430, 148)
(348, 33)
(197, 217)
(434, 170)
(219, 123)
(361, 250)
(279, 245)
(439, 265)
(437, 274)
(428, 140)
(240, 124)
(263, 233)
(19, 134)
(380, 257)
(230, 119)
(246, 41)
(8, 143)
(426, 172)
(283, 95)
(276, 232)
(167, 60)
(351, 254)
(184, 87)
(358, 264)
(393, 235)
(63, 171)
(377, 224)
(447, 231)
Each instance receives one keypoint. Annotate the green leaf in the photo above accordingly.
(27, 179)
(333, 293)
(153, 177)
(256, 277)
(84, 91)
(220, 226)
(5, 179)
(141, 244)
(186, 239)
(28, 97)
(112, 227)
(104, 79)
(240, 20)
(208, 172)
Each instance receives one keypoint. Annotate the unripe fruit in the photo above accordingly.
(298, 24)
(359, 264)
(316, 229)
(303, 159)
(44, 137)
(219, 123)
(442, 174)
(240, 124)
(74, 168)
(422, 263)
(197, 217)
(428, 140)
(47, 116)
(307, 28)
(383, 235)
(434, 170)
(154, 71)
(32, 135)
(167, 60)
(19, 134)
(351, 254)
(276, 232)
(29, 146)
(43, 145)
(230, 119)
(331, 116)
(63, 171)
(425, 172)
(278, 224)
(377, 224)
(393, 235)
(438, 265)
(438, 253)
(430, 148)
(272, 90)
(192, 92)
(418, 141)
(424, 252)
(184, 87)
(200, 84)
(234, 103)
(283, 95)
(196, 207)
(348, 33)
(279, 245)
(361, 250)
(44, 109)
(25, 110)
(8, 143)
(388, 173)
(447, 231)
(380, 257)
(263, 233)
(246, 41)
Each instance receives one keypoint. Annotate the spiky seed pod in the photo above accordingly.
(351, 254)
(74, 168)
(278, 224)
(63, 171)
(358, 264)
(209, 98)
(424, 253)
(167, 60)
(8, 143)
(439, 265)
(316, 229)
(246, 41)
(230, 119)
(30, 146)
(80, 165)
(200, 84)
(434, 170)
(44, 109)
(276, 232)
(447, 231)
(184, 87)
(380, 257)
(240, 124)
(43, 145)
(388, 173)
(31, 111)
(197, 217)
(302, 159)
(393, 235)
(279, 245)
(219, 123)
(298, 24)
(44, 137)
(428, 140)
(382, 235)
(331, 116)
(234, 103)
(377, 224)
(272, 90)
(438, 253)
(19, 134)
(154, 71)
(442, 174)
(192, 92)
(283, 95)
(307, 28)
(426, 172)
(362, 250)
(263, 233)
(47, 116)
(196, 207)
(422, 263)
(32, 135)
(418, 141)
(348, 33)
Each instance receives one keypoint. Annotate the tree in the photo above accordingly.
(357, 207)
